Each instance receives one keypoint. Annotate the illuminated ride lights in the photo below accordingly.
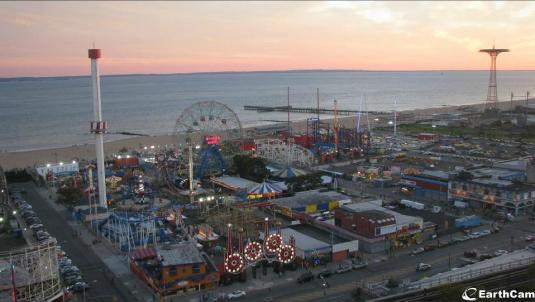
(286, 254)
(252, 251)
(274, 250)
(273, 243)
(234, 263)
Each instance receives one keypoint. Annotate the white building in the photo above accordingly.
(58, 169)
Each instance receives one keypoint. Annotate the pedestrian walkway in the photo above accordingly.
(116, 263)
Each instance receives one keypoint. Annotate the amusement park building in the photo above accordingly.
(233, 183)
(311, 202)
(307, 248)
(123, 160)
(174, 268)
(509, 196)
(428, 137)
(380, 228)
(58, 169)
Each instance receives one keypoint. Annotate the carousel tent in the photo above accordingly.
(265, 188)
(290, 172)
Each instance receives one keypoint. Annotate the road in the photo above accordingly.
(93, 269)
(400, 266)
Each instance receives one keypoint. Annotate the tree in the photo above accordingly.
(392, 283)
(18, 175)
(69, 195)
(250, 168)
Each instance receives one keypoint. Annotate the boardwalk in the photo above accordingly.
(308, 110)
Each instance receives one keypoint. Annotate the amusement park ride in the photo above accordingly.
(273, 250)
(203, 127)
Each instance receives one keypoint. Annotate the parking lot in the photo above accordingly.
(81, 270)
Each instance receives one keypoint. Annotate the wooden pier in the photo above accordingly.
(309, 110)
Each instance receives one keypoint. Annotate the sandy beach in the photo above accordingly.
(22, 159)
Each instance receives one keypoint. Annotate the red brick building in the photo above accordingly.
(370, 224)
(428, 137)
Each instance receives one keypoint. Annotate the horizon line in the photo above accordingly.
(253, 71)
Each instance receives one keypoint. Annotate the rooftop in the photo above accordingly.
(234, 183)
(515, 164)
(436, 174)
(496, 173)
(179, 254)
(378, 216)
(305, 198)
(302, 241)
(367, 206)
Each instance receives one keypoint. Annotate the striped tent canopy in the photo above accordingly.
(264, 189)
(290, 172)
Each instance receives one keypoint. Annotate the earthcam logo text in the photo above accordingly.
(472, 294)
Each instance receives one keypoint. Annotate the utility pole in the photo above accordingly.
(318, 102)
(395, 117)
(288, 99)
(335, 128)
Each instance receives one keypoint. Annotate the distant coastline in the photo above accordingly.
(63, 77)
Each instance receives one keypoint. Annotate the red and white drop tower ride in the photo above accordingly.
(98, 126)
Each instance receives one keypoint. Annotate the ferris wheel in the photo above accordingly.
(210, 128)
(207, 122)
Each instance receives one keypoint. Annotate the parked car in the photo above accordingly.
(71, 274)
(500, 252)
(33, 220)
(324, 273)
(343, 269)
(485, 232)
(417, 251)
(529, 238)
(236, 294)
(67, 269)
(305, 277)
(37, 227)
(423, 267)
(475, 235)
(429, 247)
(64, 261)
(78, 287)
(484, 257)
(28, 213)
(358, 264)
(25, 206)
(72, 280)
(470, 254)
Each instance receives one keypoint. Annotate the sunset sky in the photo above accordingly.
(52, 38)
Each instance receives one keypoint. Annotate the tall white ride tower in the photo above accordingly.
(98, 126)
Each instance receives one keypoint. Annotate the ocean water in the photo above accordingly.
(38, 113)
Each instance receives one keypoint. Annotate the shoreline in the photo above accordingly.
(22, 159)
